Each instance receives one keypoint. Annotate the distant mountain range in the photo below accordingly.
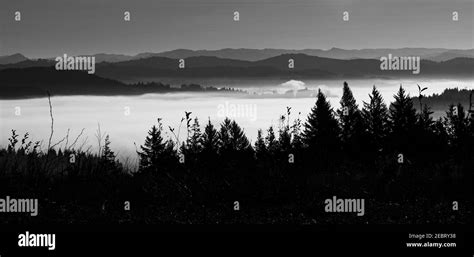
(434, 54)
(244, 54)
(305, 67)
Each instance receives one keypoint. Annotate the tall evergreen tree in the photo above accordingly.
(153, 151)
(403, 120)
(321, 132)
(232, 137)
(195, 140)
(375, 116)
(260, 147)
(350, 118)
(210, 139)
(270, 141)
(236, 156)
(107, 154)
(425, 120)
(457, 126)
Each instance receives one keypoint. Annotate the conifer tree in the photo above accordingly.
(260, 147)
(321, 131)
(232, 137)
(153, 148)
(350, 119)
(210, 140)
(457, 126)
(107, 154)
(270, 141)
(195, 140)
(403, 120)
(375, 117)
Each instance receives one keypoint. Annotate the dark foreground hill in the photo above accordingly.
(36, 81)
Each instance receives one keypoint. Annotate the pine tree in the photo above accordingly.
(459, 135)
(402, 112)
(350, 119)
(236, 157)
(457, 125)
(425, 121)
(321, 131)
(270, 141)
(239, 139)
(107, 154)
(154, 147)
(195, 141)
(260, 147)
(403, 120)
(232, 137)
(210, 140)
(375, 117)
(225, 144)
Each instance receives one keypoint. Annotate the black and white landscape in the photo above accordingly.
(237, 112)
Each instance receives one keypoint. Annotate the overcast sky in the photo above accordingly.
(53, 27)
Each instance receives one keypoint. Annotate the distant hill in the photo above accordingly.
(451, 54)
(28, 64)
(36, 81)
(14, 58)
(111, 57)
(446, 98)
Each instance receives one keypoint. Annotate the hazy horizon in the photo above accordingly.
(227, 48)
(53, 27)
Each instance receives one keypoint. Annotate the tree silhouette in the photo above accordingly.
(195, 138)
(403, 120)
(350, 119)
(155, 152)
(271, 142)
(260, 147)
(457, 126)
(321, 132)
(232, 137)
(375, 116)
(210, 140)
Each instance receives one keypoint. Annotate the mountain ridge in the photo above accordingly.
(251, 54)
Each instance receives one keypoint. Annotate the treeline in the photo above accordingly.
(400, 160)
(385, 146)
(153, 87)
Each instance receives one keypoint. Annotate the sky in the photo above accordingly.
(51, 28)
